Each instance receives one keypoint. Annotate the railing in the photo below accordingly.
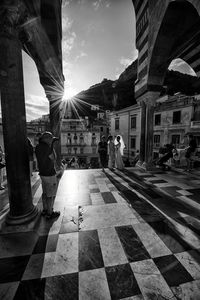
(75, 144)
(156, 145)
(195, 124)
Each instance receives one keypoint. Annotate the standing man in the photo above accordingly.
(111, 153)
(30, 155)
(102, 150)
(190, 151)
(2, 165)
(46, 158)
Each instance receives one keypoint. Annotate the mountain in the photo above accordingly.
(109, 94)
(117, 94)
(179, 82)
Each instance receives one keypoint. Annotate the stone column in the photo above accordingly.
(55, 126)
(142, 133)
(150, 100)
(22, 209)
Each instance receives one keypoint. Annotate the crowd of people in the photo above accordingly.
(111, 152)
(110, 155)
(169, 151)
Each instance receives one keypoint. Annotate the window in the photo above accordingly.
(198, 140)
(101, 128)
(93, 150)
(95, 107)
(133, 142)
(75, 150)
(116, 124)
(81, 139)
(94, 140)
(81, 150)
(133, 122)
(176, 139)
(69, 150)
(157, 120)
(69, 141)
(176, 117)
(156, 140)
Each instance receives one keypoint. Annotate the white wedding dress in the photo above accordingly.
(118, 157)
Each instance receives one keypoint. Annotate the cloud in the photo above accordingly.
(66, 2)
(181, 66)
(125, 61)
(83, 43)
(81, 2)
(134, 54)
(66, 24)
(96, 4)
(68, 43)
(36, 106)
(67, 70)
(117, 75)
(82, 54)
(66, 65)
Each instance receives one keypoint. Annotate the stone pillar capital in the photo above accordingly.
(149, 98)
(13, 15)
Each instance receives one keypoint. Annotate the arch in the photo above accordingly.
(180, 65)
(177, 37)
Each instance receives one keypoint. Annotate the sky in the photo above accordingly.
(98, 42)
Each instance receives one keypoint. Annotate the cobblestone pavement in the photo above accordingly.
(121, 235)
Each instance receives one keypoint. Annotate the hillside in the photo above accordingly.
(109, 94)
(179, 82)
(118, 94)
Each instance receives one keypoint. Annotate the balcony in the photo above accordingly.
(156, 145)
(195, 124)
(78, 144)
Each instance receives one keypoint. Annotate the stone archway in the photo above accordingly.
(31, 25)
(178, 37)
(164, 31)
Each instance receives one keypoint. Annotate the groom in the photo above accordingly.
(111, 153)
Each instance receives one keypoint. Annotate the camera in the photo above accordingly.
(55, 139)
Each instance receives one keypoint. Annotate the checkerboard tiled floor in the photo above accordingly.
(117, 237)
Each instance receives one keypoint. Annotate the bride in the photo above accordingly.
(119, 148)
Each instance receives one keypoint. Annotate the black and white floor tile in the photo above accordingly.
(117, 237)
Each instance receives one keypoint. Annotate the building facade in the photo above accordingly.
(37, 126)
(174, 117)
(79, 140)
(126, 122)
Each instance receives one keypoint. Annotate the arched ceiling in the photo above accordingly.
(38, 23)
(178, 36)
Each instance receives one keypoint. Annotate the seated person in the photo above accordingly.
(190, 151)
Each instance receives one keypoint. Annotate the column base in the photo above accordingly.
(139, 163)
(23, 219)
(149, 166)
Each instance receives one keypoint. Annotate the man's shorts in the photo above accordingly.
(49, 185)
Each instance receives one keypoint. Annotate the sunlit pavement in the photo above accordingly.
(120, 235)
